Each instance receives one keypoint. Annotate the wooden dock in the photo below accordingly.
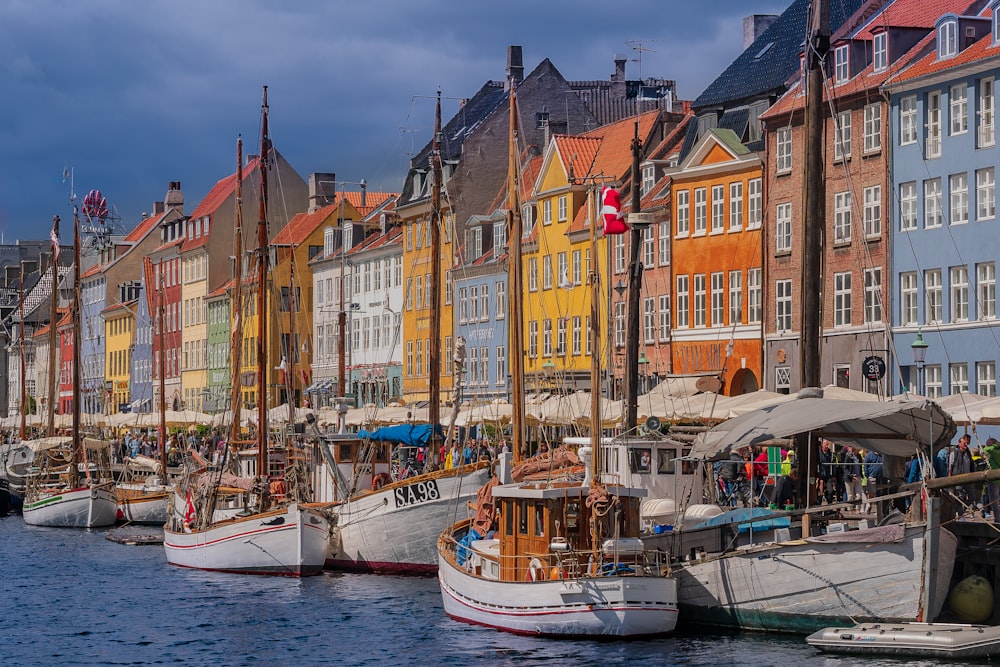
(134, 539)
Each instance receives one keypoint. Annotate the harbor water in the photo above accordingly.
(72, 597)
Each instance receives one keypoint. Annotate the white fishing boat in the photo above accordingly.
(777, 572)
(274, 533)
(69, 483)
(554, 554)
(917, 640)
(288, 541)
(142, 495)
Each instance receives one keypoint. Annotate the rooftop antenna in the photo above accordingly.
(640, 46)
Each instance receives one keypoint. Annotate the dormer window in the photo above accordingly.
(947, 38)
(995, 6)
(880, 55)
(473, 244)
(842, 60)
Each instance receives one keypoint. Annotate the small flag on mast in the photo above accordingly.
(611, 209)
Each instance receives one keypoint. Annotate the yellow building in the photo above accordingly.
(557, 254)
(119, 336)
(194, 316)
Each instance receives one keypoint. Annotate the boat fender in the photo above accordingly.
(380, 480)
(555, 573)
(972, 600)
(535, 570)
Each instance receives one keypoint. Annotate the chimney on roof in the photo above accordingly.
(158, 208)
(618, 78)
(364, 193)
(174, 198)
(515, 66)
(322, 190)
(754, 26)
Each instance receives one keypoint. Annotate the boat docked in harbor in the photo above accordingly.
(142, 494)
(911, 640)
(273, 531)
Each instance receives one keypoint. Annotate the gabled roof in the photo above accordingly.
(222, 190)
(143, 228)
(929, 64)
(764, 67)
(302, 225)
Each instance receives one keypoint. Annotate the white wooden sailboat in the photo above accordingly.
(388, 524)
(56, 495)
(270, 534)
(142, 492)
(557, 556)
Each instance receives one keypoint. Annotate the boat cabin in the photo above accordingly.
(544, 530)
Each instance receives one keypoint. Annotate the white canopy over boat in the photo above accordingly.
(893, 428)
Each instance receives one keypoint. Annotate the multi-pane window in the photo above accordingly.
(873, 211)
(984, 116)
(947, 39)
(561, 208)
(501, 365)
(576, 334)
(683, 212)
(755, 203)
(958, 376)
(664, 310)
(880, 51)
(986, 290)
(873, 295)
(842, 136)
(783, 228)
(618, 248)
(532, 274)
(699, 299)
(547, 338)
(783, 150)
(908, 298)
(842, 217)
(735, 297)
(484, 303)
(873, 128)
(718, 208)
(700, 210)
(547, 272)
(842, 64)
(649, 246)
(985, 193)
(463, 305)
(959, 293)
(577, 268)
(958, 190)
(932, 203)
(933, 148)
(754, 295)
(932, 381)
(562, 268)
(473, 303)
(908, 206)
(933, 303)
(547, 212)
(648, 178)
(664, 244)
(649, 319)
(842, 299)
(682, 301)
(736, 205)
(501, 308)
(718, 298)
(533, 339)
(908, 120)
(561, 336)
(958, 109)
(620, 324)
(783, 305)
(986, 378)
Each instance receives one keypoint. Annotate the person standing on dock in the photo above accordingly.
(991, 452)
(960, 463)
(852, 474)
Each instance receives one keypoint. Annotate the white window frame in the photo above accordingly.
(842, 136)
(873, 295)
(985, 115)
(933, 141)
(907, 120)
(947, 39)
(986, 290)
(907, 206)
(873, 128)
(783, 150)
(958, 377)
(783, 305)
(735, 297)
(755, 203)
(755, 294)
(683, 213)
(880, 51)
(933, 302)
(683, 282)
(908, 302)
(986, 193)
(664, 315)
(783, 228)
(700, 296)
(700, 211)
(561, 208)
(873, 211)
(958, 109)
(959, 292)
(932, 203)
(842, 299)
(718, 287)
(958, 197)
(718, 209)
(986, 378)
(932, 380)
(842, 217)
(735, 206)
(842, 64)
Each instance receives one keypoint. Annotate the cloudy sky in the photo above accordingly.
(132, 95)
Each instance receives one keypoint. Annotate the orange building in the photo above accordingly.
(717, 264)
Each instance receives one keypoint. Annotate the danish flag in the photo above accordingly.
(611, 209)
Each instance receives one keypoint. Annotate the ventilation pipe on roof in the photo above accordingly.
(364, 193)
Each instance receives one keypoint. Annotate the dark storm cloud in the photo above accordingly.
(135, 94)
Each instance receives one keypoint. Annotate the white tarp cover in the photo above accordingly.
(891, 427)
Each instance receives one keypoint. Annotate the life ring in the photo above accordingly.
(536, 571)
(380, 480)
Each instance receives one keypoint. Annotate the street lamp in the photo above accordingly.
(919, 349)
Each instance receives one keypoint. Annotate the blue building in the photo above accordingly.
(480, 293)
(142, 357)
(943, 176)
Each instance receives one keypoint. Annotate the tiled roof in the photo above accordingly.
(143, 228)
(219, 291)
(63, 315)
(911, 13)
(765, 66)
(929, 64)
(118, 306)
(304, 224)
(372, 200)
(222, 190)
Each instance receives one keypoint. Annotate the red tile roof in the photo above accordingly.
(930, 64)
(222, 190)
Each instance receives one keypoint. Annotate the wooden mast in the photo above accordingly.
(262, 263)
(434, 352)
(160, 317)
(53, 322)
(236, 304)
(76, 319)
(290, 362)
(595, 337)
(20, 307)
(814, 222)
(516, 290)
(634, 289)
